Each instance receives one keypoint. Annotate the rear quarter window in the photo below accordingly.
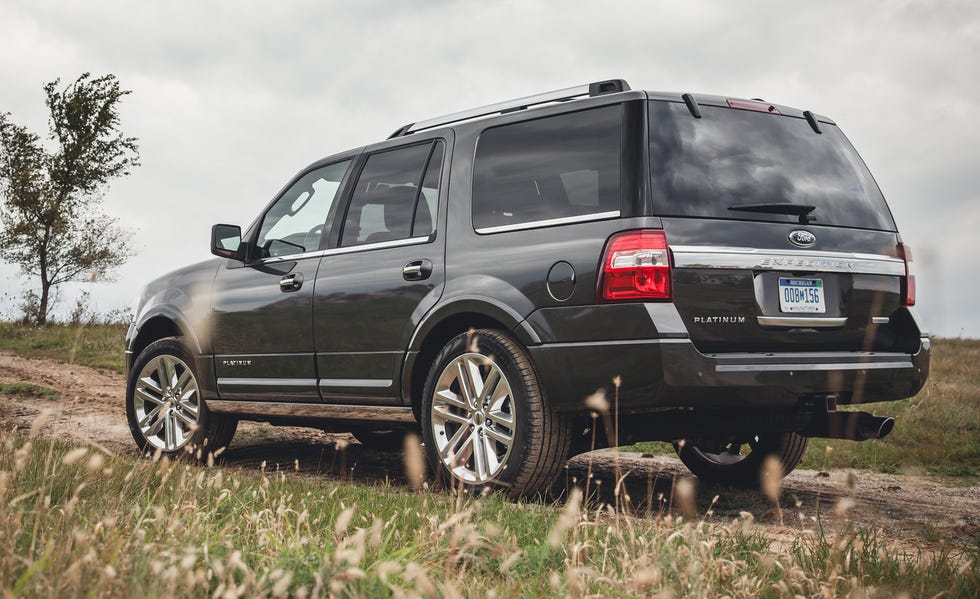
(561, 167)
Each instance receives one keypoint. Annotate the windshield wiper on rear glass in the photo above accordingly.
(801, 210)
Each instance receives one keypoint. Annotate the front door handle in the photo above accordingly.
(291, 282)
(419, 270)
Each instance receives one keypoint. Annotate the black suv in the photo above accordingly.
(725, 271)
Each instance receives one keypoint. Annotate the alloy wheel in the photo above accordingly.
(473, 418)
(167, 402)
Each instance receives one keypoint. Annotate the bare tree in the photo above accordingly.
(53, 227)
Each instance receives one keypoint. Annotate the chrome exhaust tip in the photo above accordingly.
(854, 426)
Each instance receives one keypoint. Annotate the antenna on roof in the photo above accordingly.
(598, 88)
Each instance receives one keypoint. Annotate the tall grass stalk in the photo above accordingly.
(78, 521)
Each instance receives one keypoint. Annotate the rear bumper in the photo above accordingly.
(657, 374)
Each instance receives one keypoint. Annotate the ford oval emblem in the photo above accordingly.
(802, 238)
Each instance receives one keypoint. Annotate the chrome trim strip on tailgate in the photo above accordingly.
(811, 367)
(307, 410)
(810, 322)
(697, 256)
(811, 362)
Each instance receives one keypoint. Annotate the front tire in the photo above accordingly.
(164, 407)
(486, 422)
(740, 462)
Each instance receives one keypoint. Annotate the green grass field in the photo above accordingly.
(98, 346)
(75, 522)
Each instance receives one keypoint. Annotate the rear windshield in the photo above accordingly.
(703, 167)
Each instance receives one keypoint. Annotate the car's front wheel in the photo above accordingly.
(164, 406)
(741, 461)
(486, 422)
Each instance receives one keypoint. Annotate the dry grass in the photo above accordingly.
(74, 521)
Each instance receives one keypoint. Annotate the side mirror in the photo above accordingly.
(226, 241)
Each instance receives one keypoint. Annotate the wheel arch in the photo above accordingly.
(161, 324)
(443, 324)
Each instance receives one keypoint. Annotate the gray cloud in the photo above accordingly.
(231, 98)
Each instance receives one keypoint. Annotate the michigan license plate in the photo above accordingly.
(801, 295)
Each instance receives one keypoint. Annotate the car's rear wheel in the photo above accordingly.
(164, 406)
(740, 460)
(486, 422)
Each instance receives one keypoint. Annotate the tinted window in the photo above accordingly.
(702, 167)
(295, 223)
(556, 167)
(383, 204)
(425, 210)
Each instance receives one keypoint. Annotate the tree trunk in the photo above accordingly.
(42, 304)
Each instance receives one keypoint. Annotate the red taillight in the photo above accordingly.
(636, 266)
(908, 281)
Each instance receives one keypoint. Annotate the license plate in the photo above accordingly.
(801, 295)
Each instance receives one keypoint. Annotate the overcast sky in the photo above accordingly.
(231, 98)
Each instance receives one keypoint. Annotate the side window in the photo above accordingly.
(426, 209)
(384, 203)
(295, 223)
(556, 167)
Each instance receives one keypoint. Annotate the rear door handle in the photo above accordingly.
(291, 282)
(418, 270)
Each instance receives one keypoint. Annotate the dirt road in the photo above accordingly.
(915, 512)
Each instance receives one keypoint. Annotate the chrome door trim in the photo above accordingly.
(268, 382)
(355, 383)
(697, 256)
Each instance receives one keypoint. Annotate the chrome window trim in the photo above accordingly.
(695, 256)
(551, 222)
(347, 250)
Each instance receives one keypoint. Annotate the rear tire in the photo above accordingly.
(739, 462)
(486, 422)
(164, 407)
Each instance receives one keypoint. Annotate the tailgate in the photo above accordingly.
(765, 297)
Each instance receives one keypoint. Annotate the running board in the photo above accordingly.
(306, 410)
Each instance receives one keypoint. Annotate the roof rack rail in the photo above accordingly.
(597, 88)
